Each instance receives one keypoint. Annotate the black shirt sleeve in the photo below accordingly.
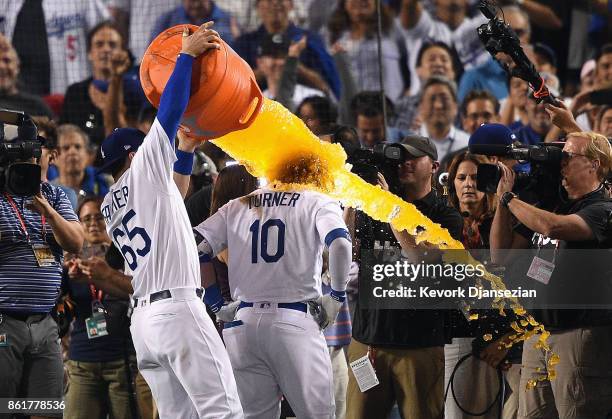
(450, 219)
(597, 216)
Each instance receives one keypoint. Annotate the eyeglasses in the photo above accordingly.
(88, 219)
(568, 155)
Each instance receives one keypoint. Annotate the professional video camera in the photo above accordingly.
(17, 175)
(498, 37)
(544, 178)
(383, 158)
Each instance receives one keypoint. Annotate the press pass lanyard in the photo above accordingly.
(96, 301)
(95, 296)
(43, 220)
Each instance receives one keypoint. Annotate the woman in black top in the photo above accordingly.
(476, 380)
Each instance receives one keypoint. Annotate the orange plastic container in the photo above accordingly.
(224, 93)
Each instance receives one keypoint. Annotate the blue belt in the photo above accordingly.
(293, 306)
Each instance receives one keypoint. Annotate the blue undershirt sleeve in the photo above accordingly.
(175, 97)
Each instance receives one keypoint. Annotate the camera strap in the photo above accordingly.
(22, 222)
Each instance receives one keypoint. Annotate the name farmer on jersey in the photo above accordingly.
(119, 200)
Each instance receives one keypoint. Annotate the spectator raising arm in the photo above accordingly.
(288, 80)
(114, 109)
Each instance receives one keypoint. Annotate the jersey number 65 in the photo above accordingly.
(131, 234)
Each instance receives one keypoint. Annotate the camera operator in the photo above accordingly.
(405, 346)
(34, 229)
(581, 337)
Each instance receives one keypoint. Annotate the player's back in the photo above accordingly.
(148, 222)
(275, 244)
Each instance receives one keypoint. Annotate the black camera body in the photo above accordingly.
(383, 158)
(17, 175)
(544, 179)
(497, 36)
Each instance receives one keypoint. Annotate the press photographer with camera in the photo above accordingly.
(581, 336)
(405, 346)
(37, 223)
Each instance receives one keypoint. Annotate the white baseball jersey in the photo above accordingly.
(147, 220)
(67, 24)
(275, 242)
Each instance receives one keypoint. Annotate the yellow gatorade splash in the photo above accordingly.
(278, 142)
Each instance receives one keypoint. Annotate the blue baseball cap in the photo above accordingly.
(120, 143)
(492, 134)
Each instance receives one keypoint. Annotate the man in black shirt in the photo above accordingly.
(581, 336)
(405, 346)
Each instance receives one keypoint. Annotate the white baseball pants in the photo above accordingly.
(182, 358)
(280, 351)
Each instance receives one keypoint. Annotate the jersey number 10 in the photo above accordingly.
(265, 228)
(131, 234)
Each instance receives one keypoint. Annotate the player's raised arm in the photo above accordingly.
(175, 96)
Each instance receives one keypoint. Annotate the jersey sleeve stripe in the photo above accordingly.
(336, 233)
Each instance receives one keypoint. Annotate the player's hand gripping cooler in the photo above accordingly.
(224, 93)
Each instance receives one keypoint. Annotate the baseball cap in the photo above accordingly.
(274, 45)
(497, 134)
(419, 146)
(120, 143)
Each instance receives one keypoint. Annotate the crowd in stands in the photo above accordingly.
(352, 76)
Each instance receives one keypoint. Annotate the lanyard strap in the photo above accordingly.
(92, 289)
(22, 222)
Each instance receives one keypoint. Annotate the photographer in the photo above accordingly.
(405, 346)
(581, 337)
(37, 222)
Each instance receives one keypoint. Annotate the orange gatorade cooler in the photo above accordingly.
(224, 94)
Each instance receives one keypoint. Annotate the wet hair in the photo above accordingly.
(304, 169)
